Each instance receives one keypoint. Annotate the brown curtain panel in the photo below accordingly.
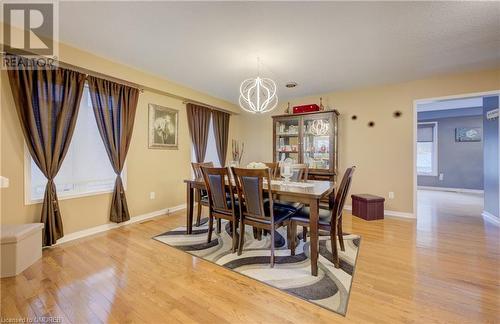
(47, 103)
(114, 109)
(198, 122)
(221, 132)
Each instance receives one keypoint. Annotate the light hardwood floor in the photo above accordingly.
(443, 268)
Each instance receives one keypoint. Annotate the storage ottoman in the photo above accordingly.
(368, 207)
(21, 247)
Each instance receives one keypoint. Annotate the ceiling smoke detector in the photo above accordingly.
(291, 84)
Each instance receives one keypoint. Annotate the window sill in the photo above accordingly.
(30, 201)
(427, 174)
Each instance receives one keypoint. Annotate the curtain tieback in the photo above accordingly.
(119, 178)
(50, 182)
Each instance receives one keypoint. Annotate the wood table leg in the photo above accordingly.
(189, 202)
(313, 220)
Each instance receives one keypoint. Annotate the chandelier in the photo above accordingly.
(319, 127)
(258, 95)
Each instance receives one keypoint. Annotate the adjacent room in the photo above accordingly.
(249, 162)
(452, 164)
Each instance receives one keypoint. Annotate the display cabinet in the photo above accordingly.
(309, 138)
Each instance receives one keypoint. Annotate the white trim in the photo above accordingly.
(389, 213)
(435, 152)
(461, 190)
(451, 104)
(110, 226)
(414, 160)
(490, 217)
(458, 96)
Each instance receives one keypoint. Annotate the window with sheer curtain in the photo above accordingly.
(211, 153)
(86, 169)
(427, 149)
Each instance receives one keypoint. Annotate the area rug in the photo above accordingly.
(292, 274)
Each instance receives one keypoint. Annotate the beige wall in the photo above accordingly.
(161, 171)
(384, 153)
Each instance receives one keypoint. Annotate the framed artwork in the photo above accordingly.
(163, 127)
(468, 134)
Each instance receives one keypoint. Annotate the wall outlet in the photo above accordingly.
(152, 195)
(4, 182)
(391, 195)
(441, 176)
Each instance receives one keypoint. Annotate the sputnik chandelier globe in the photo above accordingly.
(319, 127)
(258, 95)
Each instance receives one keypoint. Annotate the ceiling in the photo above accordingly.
(323, 46)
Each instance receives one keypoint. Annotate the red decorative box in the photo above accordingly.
(305, 108)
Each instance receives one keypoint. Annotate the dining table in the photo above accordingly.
(309, 192)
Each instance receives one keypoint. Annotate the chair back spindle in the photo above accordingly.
(197, 168)
(300, 172)
(342, 193)
(274, 167)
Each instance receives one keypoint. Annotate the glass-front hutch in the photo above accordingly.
(309, 138)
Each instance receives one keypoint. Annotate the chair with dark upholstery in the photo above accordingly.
(201, 196)
(255, 209)
(329, 220)
(221, 201)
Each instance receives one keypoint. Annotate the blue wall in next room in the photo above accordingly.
(491, 173)
(461, 163)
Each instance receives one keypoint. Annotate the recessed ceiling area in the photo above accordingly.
(323, 46)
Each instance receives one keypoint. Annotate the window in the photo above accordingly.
(427, 149)
(86, 169)
(211, 153)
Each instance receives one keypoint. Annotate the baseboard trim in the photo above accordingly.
(460, 190)
(106, 227)
(490, 217)
(391, 213)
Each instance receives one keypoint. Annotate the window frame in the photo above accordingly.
(434, 172)
(29, 200)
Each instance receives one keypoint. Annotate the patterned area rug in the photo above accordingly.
(292, 274)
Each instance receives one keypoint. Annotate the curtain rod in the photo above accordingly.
(141, 87)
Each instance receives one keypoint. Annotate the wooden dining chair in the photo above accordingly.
(255, 209)
(329, 220)
(274, 167)
(300, 172)
(221, 202)
(201, 196)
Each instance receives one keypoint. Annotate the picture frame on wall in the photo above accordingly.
(468, 134)
(163, 127)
